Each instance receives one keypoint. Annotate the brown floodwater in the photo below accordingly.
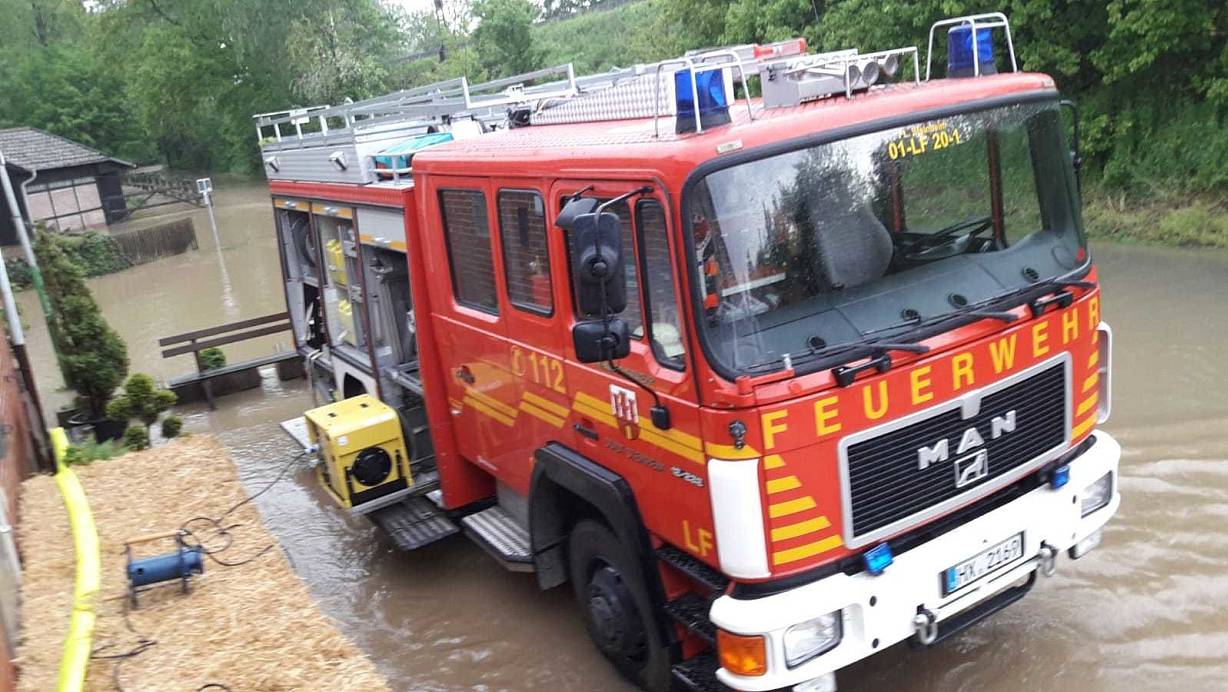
(1148, 610)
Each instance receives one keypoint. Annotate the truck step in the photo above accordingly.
(693, 568)
(413, 523)
(502, 536)
(425, 482)
(698, 674)
(691, 611)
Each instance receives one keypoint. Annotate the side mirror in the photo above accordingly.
(575, 207)
(597, 264)
(599, 341)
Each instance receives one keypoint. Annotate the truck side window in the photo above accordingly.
(467, 233)
(664, 320)
(522, 231)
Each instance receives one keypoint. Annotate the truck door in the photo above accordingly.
(471, 319)
(612, 419)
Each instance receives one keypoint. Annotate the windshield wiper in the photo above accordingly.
(881, 360)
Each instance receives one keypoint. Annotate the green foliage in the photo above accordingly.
(141, 400)
(1193, 222)
(212, 358)
(90, 451)
(96, 254)
(504, 37)
(136, 438)
(171, 426)
(92, 357)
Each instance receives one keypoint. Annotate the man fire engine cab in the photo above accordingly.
(774, 381)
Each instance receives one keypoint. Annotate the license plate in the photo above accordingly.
(974, 568)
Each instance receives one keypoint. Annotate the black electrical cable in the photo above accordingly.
(222, 533)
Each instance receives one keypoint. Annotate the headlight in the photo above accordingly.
(806, 640)
(1098, 494)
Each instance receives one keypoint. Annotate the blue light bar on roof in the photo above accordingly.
(959, 51)
(713, 101)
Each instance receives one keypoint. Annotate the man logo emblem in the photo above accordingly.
(972, 468)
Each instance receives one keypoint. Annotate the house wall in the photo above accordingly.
(16, 464)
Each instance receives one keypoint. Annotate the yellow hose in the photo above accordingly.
(77, 645)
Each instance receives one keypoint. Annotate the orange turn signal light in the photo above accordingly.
(742, 654)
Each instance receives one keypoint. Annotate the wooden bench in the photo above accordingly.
(213, 337)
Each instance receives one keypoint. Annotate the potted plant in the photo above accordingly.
(93, 358)
(141, 400)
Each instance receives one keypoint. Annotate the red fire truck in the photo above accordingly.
(777, 358)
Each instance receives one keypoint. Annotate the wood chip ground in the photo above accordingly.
(253, 627)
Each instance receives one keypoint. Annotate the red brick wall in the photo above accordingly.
(15, 466)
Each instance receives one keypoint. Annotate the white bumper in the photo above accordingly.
(1044, 515)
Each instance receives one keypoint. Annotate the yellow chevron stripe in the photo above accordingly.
(652, 437)
(801, 528)
(1083, 427)
(730, 452)
(599, 414)
(802, 552)
(784, 509)
(773, 461)
(493, 413)
(1093, 359)
(542, 415)
(1091, 381)
(492, 402)
(1087, 404)
(543, 403)
(780, 485)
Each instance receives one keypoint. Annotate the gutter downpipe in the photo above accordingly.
(78, 642)
(38, 428)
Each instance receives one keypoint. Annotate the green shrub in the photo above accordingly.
(136, 438)
(212, 358)
(93, 358)
(171, 426)
(141, 400)
(90, 451)
(19, 272)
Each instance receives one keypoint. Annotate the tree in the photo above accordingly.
(504, 37)
(93, 358)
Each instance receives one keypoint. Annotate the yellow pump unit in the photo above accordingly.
(364, 464)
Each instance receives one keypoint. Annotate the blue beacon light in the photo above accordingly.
(713, 101)
(959, 51)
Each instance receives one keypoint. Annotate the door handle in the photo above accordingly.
(464, 374)
(586, 431)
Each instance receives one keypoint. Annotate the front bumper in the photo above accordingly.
(878, 611)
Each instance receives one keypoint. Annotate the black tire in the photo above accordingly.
(617, 608)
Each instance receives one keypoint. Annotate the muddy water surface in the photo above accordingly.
(1148, 610)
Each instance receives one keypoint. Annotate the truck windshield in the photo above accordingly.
(805, 252)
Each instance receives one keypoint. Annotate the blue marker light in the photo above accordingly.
(878, 558)
(713, 101)
(1059, 476)
(959, 51)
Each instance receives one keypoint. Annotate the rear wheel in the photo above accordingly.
(617, 608)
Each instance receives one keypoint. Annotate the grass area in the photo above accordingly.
(1194, 221)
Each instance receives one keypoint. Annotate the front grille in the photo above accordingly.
(884, 481)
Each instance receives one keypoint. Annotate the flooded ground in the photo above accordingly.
(1148, 610)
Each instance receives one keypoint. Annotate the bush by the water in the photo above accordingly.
(96, 253)
(212, 358)
(141, 400)
(136, 438)
(172, 425)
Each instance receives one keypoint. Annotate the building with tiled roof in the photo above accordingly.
(61, 184)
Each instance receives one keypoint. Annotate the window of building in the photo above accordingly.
(522, 231)
(66, 204)
(665, 321)
(467, 234)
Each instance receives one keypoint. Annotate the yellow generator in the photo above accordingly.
(363, 461)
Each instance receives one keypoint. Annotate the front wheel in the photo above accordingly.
(616, 605)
